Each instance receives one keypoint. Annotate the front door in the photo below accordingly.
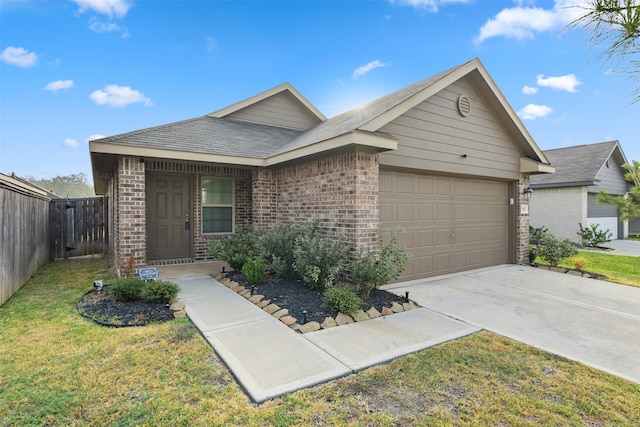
(168, 216)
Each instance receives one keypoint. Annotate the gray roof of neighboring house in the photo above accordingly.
(210, 135)
(576, 165)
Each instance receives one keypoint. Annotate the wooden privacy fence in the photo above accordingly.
(78, 226)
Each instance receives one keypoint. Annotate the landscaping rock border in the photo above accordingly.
(282, 314)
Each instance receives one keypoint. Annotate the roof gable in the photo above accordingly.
(580, 164)
(376, 114)
(281, 106)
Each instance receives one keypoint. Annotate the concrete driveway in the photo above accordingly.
(622, 247)
(590, 321)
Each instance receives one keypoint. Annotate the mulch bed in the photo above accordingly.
(297, 297)
(101, 307)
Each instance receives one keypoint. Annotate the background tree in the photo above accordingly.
(616, 25)
(628, 205)
(74, 185)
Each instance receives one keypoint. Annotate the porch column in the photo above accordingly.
(131, 212)
(522, 226)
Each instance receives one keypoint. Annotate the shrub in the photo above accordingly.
(276, 246)
(317, 259)
(159, 291)
(553, 250)
(369, 270)
(536, 233)
(592, 237)
(127, 289)
(233, 249)
(579, 262)
(339, 298)
(253, 269)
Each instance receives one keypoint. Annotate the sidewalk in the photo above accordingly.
(269, 359)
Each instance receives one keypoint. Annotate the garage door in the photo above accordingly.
(448, 224)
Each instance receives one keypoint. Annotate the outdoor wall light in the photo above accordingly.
(527, 192)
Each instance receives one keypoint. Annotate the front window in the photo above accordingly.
(217, 205)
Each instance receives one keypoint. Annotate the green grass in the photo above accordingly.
(619, 269)
(58, 368)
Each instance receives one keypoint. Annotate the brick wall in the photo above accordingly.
(129, 219)
(522, 222)
(264, 190)
(341, 191)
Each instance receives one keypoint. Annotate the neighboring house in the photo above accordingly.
(446, 160)
(567, 198)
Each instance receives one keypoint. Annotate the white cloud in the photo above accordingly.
(533, 111)
(111, 8)
(95, 136)
(119, 96)
(528, 90)
(71, 143)
(361, 71)
(524, 22)
(59, 85)
(429, 5)
(610, 71)
(18, 56)
(518, 23)
(567, 83)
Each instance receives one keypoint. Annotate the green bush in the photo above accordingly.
(159, 291)
(317, 259)
(536, 233)
(592, 237)
(339, 298)
(369, 270)
(253, 269)
(276, 246)
(553, 250)
(234, 248)
(127, 289)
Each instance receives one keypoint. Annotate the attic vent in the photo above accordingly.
(464, 105)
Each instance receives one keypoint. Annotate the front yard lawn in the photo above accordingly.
(59, 368)
(619, 269)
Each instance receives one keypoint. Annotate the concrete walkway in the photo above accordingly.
(621, 247)
(590, 321)
(268, 358)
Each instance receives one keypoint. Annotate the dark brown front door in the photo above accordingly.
(168, 213)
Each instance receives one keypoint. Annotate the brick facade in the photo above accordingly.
(129, 211)
(522, 222)
(340, 190)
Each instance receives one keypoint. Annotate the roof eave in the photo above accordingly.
(159, 153)
(373, 141)
(563, 184)
(533, 167)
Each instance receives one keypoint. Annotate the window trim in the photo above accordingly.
(204, 205)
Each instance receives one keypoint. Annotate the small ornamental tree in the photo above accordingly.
(553, 250)
(370, 270)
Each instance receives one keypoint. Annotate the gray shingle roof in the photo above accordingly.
(354, 119)
(575, 165)
(210, 135)
(231, 137)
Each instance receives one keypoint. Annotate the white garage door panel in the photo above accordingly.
(448, 224)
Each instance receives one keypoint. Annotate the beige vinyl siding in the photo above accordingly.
(281, 109)
(434, 136)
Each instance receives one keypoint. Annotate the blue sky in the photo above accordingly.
(73, 70)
